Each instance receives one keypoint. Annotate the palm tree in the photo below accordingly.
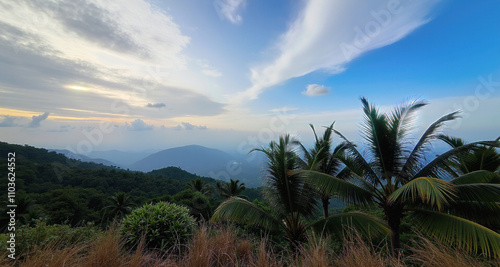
(292, 201)
(320, 158)
(198, 185)
(395, 178)
(232, 189)
(120, 205)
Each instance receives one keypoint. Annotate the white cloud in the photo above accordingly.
(37, 119)
(328, 34)
(316, 90)
(230, 9)
(139, 125)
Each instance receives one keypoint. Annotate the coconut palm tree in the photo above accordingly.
(395, 177)
(120, 206)
(291, 200)
(232, 189)
(198, 185)
(320, 158)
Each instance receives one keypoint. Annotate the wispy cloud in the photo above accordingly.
(139, 125)
(230, 9)
(37, 119)
(316, 90)
(329, 34)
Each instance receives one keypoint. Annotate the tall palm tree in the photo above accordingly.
(320, 158)
(395, 178)
(232, 189)
(198, 185)
(120, 206)
(292, 201)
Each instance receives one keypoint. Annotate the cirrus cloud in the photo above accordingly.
(327, 35)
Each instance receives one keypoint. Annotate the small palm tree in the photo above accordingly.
(320, 158)
(120, 205)
(232, 189)
(198, 185)
(292, 201)
(395, 178)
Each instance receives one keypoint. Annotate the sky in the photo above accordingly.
(134, 75)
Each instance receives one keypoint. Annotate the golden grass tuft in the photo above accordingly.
(222, 247)
(428, 253)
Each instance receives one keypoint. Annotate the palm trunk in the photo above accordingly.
(326, 202)
(393, 216)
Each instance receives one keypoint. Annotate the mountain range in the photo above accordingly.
(200, 160)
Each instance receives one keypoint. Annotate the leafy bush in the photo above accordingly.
(162, 225)
(42, 235)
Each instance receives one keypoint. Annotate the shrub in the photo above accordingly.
(162, 225)
(42, 235)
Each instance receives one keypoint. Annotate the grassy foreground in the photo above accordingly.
(222, 247)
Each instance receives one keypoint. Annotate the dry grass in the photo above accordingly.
(223, 247)
(356, 252)
(429, 254)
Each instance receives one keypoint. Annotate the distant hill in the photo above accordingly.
(204, 161)
(72, 155)
(123, 158)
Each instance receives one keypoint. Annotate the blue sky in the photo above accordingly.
(136, 75)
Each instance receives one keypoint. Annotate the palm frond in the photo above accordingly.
(454, 142)
(361, 165)
(433, 191)
(344, 190)
(376, 131)
(243, 211)
(475, 177)
(418, 152)
(483, 193)
(365, 224)
(458, 231)
(432, 168)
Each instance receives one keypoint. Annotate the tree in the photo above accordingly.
(120, 205)
(320, 158)
(291, 200)
(198, 185)
(232, 189)
(395, 178)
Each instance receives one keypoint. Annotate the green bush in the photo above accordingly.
(42, 235)
(162, 225)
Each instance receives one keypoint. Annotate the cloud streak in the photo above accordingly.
(157, 105)
(329, 34)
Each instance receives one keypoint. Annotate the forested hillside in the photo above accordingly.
(63, 190)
